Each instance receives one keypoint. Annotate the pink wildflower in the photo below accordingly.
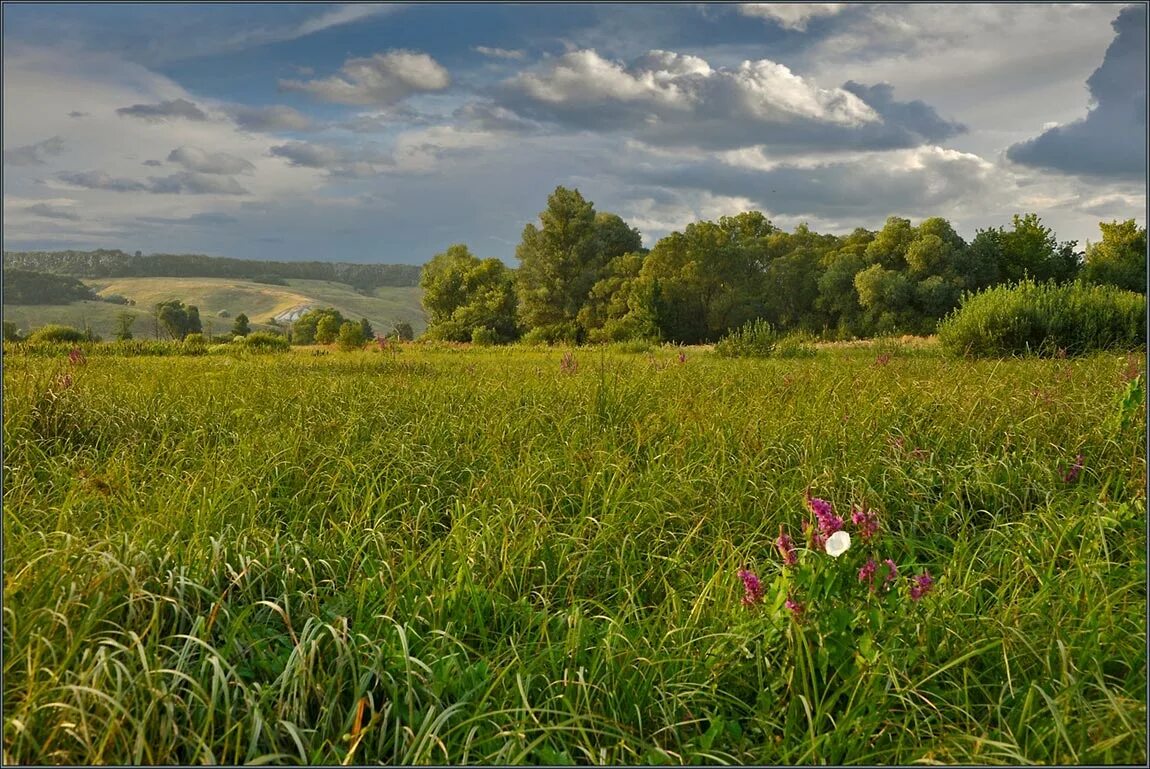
(828, 522)
(76, 357)
(867, 572)
(795, 607)
(866, 521)
(682, 357)
(786, 548)
(752, 586)
(1071, 474)
(891, 573)
(920, 586)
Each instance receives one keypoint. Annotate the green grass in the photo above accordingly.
(386, 306)
(452, 555)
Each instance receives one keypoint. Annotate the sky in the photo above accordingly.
(387, 132)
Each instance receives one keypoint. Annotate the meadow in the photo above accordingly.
(514, 555)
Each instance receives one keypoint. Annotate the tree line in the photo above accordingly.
(584, 276)
(113, 263)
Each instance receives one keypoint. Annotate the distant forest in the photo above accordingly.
(114, 263)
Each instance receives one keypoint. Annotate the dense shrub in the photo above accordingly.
(262, 341)
(54, 332)
(1045, 319)
(796, 345)
(482, 336)
(755, 339)
(195, 344)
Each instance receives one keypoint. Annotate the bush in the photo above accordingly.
(482, 336)
(556, 333)
(117, 299)
(755, 339)
(195, 344)
(55, 332)
(262, 341)
(634, 346)
(350, 336)
(1045, 319)
(11, 333)
(796, 345)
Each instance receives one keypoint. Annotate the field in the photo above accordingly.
(456, 555)
(259, 301)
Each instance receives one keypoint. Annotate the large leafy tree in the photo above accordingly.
(462, 293)
(1119, 258)
(177, 319)
(319, 325)
(563, 259)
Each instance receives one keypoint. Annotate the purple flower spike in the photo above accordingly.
(753, 588)
(795, 607)
(786, 548)
(866, 521)
(867, 572)
(891, 573)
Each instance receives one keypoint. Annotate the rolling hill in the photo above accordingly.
(383, 307)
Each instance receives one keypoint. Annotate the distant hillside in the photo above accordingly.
(105, 263)
(219, 300)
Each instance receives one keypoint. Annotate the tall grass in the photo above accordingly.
(488, 556)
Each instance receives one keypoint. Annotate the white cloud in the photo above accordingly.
(791, 15)
(500, 53)
(381, 79)
(680, 100)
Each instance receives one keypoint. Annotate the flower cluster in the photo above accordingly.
(921, 585)
(76, 357)
(827, 533)
(866, 521)
(752, 587)
(825, 525)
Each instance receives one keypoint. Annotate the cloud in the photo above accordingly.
(99, 180)
(350, 162)
(869, 186)
(77, 114)
(185, 182)
(500, 53)
(176, 108)
(1110, 142)
(791, 15)
(381, 79)
(384, 120)
(153, 162)
(34, 154)
(195, 159)
(671, 99)
(192, 183)
(50, 211)
(274, 118)
(208, 218)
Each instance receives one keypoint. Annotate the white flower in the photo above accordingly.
(838, 543)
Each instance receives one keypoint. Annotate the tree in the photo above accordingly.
(124, 321)
(403, 331)
(558, 263)
(1120, 258)
(306, 328)
(366, 329)
(178, 320)
(1029, 250)
(350, 336)
(327, 329)
(462, 293)
(241, 326)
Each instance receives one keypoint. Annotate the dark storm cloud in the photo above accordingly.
(1110, 142)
